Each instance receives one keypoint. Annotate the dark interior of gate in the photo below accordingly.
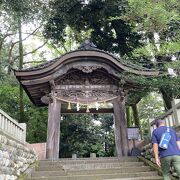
(83, 77)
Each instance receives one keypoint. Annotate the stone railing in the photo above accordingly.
(12, 128)
(172, 116)
(15, 157)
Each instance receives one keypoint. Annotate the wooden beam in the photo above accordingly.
(52, 84)
(107, 87)
(92, 111)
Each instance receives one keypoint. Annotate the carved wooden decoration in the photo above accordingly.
(88, 69)
(86, 88)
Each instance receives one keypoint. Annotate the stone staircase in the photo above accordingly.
(125, 168)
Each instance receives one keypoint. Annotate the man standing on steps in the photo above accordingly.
(166, 157)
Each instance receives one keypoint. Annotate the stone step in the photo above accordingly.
(126, 168)
(88, 160)
(49, 168)
(58, 166)
(95, 171)
(110, 171)
(101, 165)
(152, 174)
(48, 173)
(140, 178)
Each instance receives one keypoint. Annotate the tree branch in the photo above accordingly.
(4, 37)
(30, 34)
(31, 52)
(54, 47)
(64, 47)
(34, 35)
(29, 62)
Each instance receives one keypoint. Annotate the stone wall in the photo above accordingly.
(147, 152)
(15, 158)
(39, 149)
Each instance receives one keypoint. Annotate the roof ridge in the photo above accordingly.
(85, 48)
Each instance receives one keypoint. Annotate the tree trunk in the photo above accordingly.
(135, 115)
(136, 118)
(21, 104)
(128, 116)
(167, 98)
(105, 144)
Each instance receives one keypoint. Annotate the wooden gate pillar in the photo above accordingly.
(53, 133)
(121, 137)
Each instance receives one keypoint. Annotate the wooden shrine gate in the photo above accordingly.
(82, 77)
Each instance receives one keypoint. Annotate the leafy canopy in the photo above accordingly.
(96, 18)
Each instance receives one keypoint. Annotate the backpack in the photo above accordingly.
(165, 138)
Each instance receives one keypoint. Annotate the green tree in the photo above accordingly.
(80, 135)
(157, 22)
(36, 118)
(36, 123)
(107, 131)
(21, 11)
(96, 18)
(150, 107)
(9, 97)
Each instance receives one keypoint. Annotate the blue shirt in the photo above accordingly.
(172, 146)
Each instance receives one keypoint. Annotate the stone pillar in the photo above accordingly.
(23, 138)
(121, 137)
(167, 121)
(74, 156)
(53, 133)
(170, 118)
(92, 155)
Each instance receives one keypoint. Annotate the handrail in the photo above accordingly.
(171, 117)
(12, 128)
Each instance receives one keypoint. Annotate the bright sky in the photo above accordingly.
(33, 42)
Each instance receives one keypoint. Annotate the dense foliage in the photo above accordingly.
(143, 32)
(150, 107)
(36, 118)
(96, 17)
(81, 135)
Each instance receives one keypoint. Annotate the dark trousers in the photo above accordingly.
(167, 162)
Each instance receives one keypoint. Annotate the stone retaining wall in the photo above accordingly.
(15, 158)
(147, 152)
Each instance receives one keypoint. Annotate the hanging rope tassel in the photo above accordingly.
(87, 110)
(77, 106)
(69, 106)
